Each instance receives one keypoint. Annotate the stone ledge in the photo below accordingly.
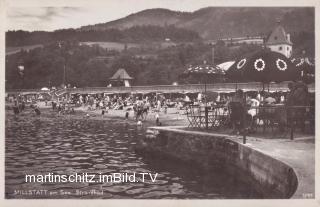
(270, 171)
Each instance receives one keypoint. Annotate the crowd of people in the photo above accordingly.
(142, 105)
(139, 105)
(297, 105)
(19, 105)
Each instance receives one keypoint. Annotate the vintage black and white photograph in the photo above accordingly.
(158, 99)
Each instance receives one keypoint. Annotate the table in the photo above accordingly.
(276, 117)
(208, 117)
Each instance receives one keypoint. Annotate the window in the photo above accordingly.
(288, 48)
(280, 48)
(275, 37)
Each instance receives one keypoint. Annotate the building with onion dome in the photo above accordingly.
(279, 41)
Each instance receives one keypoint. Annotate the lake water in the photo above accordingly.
(58, 145)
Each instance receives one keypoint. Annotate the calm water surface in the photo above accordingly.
(58, 145)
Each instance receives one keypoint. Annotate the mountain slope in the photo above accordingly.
(219, 22)
(156, 17)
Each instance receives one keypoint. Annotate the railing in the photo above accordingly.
(272, 116)
(218, 87)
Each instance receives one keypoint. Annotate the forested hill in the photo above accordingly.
(143, 33)
(159, 24)
(220, 22)
(148, 62)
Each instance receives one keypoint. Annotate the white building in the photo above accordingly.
(279, 41)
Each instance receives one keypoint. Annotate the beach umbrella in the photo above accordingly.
(236, 71)
(306, 68)
(226, 65)
(44, 89)
(204, 72)
(264, 66)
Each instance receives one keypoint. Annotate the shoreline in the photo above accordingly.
(298, 153)
(171, 118)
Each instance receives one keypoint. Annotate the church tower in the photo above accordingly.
(279, 41)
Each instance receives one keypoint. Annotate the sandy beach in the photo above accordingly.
(173, 117)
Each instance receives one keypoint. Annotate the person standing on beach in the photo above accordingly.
(157, 116)
(15, 108)
(158, 105)
(103, 111)
(37, 111)
(127, 114)
(53, 105)
(165, 107)
(81, 100)
(94, 104)
(145, 109)
(23, 105)
(135, 110)
(139, 112)
(236, 107)
(59, 108)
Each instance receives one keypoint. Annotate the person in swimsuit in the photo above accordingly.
(36, 109)
(15, 108)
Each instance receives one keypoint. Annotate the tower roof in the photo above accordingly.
(121, 74)
(278, 36)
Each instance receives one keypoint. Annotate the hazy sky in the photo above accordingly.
(20, 15)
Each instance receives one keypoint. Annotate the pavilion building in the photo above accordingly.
(121, 78)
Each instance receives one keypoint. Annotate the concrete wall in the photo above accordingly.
(270, 177)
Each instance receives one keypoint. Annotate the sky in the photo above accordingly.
(50, 15)
(31, 17)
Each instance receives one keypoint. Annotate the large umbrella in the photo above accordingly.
(204, 72)
(263, 66)
(44, 89)
(226, 65)
(306, 68)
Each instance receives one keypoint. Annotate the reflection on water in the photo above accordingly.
(67, 146)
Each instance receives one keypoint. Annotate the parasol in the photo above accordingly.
(226, 65)
(44, 89)
(204, 72)
(263, 66)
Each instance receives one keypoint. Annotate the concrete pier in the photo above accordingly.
(278, 168)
